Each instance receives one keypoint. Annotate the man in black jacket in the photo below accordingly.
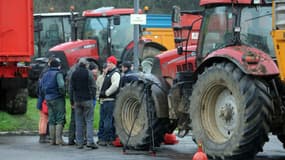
(82, 94)
(109, 90)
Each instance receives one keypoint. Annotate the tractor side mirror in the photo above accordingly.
(175, 17)
(179, 50)
(117, 20)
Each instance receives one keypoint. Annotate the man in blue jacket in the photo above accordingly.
(53, 88)
(128, 75)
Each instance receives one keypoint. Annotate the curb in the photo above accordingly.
(19, 133)
(29, 133)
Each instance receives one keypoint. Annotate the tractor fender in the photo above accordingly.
(261, 64)
(159, 90)
(127, 54)
(155, 45)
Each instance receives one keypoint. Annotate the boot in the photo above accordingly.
(59, 140)
(43, 138)
(52, 134)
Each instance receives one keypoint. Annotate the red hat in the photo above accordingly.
(112, 59)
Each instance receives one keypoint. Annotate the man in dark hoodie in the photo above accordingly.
(82, 93)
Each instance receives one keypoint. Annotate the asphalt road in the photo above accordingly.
(28, 148)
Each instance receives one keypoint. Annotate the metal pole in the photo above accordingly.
(136, 38)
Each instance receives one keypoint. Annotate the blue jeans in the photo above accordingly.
(106, 123)
(84, 113)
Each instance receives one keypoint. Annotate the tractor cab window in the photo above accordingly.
(96, 28)
(256, 27)
(121, 35)
(55, 30)
(217, 29)
(107, 33)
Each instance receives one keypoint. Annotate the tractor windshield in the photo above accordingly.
(217, 29)
(121, 35)
(96, 28)
(256, 25)
(110, 37)
(55, 30)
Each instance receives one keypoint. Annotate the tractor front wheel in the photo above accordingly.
(231, 112)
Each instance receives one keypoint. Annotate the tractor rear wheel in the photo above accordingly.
(231, 112)
(17, 101)
(33, 88)
(131, 113)
(281, 138)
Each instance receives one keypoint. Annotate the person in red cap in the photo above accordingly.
(109, 90)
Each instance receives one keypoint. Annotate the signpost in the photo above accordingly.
(136, 35)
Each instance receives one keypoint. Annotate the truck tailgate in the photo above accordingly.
(16, 30)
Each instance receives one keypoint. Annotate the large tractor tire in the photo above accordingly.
(33, 88)
(17, 101)
(281, 138)
(131, 111)
(231, 113)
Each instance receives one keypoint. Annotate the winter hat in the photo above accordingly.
(55, 62)
(112, 59)
(83, 61)
(127, 64)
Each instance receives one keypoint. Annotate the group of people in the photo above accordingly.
(85, 88)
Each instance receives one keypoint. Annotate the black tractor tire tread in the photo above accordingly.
(281, 138)
(17, 101)
(256, 120)
(33, 88)
(143, 141)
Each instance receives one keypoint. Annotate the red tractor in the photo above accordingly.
(227, 90)
(137, 123)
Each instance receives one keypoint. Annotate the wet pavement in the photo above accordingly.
(28, 148)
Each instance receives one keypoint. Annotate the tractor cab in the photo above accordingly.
(241, 26)
(236, 25)
(110, 27)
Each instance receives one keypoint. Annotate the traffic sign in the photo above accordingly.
(138, 19)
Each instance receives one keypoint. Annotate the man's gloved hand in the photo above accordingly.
(102, 95)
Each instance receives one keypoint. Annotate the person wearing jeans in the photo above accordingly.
(109, 90)
(84, 113)
(82, 93)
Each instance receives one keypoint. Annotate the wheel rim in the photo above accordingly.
(131, 108)
(219, 113)
(147, 65)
